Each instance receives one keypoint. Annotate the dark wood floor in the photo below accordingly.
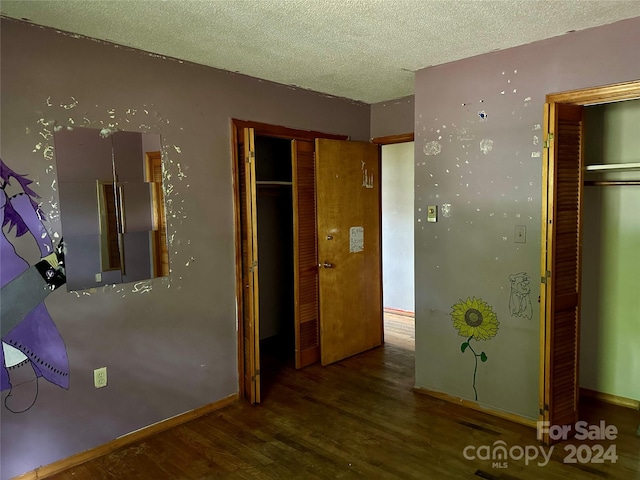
(358, 418)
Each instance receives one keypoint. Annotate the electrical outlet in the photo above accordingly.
(100, 377)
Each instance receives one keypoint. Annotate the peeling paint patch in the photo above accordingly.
(486, 145)
(48, 152)
(432, 148)
(141, 287)
(106, 132)
(446, 210)
(464, 135)
(69, 106)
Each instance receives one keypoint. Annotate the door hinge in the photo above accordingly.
(544, 279)
(250, 156)
(547, 142)
(544, 409)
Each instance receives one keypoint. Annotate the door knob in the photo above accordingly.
(326, 265)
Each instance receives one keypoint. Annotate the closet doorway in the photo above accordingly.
(307, 243)
(563, 181)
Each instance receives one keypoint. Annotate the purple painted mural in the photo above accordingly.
(31, 344)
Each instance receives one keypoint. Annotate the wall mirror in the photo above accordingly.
(111, 206)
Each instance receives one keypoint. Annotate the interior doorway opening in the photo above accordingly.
(397, 205)
(307, 211)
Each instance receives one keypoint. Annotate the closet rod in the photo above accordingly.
(607, 183)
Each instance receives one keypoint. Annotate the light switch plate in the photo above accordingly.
(520, 235)
(432, 213)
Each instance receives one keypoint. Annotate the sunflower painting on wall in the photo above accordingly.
(474, 319)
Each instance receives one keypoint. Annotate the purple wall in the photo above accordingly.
(393, 117)
(478, 158)
(169, 344)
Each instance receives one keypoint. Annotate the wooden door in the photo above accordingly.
(348, 206)
(305, 255)
(249, 246)
(560, 261)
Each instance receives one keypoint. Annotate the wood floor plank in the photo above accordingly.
(359, 418)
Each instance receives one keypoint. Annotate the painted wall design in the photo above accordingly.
(474, 318)
(520, 296)
(32, 347)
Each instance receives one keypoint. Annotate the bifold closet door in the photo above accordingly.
(305, 257)
(561, 260)
(249, 240)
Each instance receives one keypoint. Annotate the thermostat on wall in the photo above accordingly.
(432, 213)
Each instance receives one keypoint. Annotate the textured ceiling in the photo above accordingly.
(365, 50)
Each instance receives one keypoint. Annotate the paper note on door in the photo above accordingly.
(356, 239)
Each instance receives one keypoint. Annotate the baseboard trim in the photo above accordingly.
(609, 398)
(137, 435)
(397, 311)
(527, 422)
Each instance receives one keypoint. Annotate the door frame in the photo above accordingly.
(382, 141)
(267, 130)
(583, 97)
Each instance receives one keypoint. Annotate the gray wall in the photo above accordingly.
(397, 226)
(478, 151)
(170, 344)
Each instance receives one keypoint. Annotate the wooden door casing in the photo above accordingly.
(249, 248)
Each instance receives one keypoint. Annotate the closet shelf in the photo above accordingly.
(272, 183)
(613, 166)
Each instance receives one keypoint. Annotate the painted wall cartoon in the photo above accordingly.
(31, 344)
(520, 298)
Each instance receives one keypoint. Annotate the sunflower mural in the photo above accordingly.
(474, 319)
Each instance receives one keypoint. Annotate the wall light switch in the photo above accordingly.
(520, 235)
(432, 213)
(98, 277)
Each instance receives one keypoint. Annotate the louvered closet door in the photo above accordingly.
(305, 259)
(561, 264)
